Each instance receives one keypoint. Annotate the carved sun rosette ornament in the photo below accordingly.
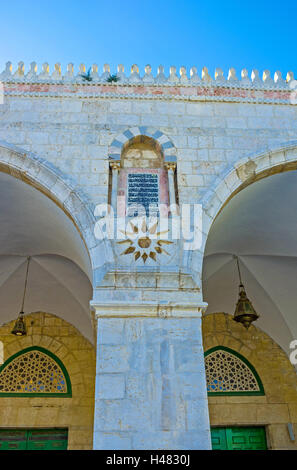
(145, 243)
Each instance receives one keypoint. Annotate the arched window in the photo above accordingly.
(229, 373)
(34, 371)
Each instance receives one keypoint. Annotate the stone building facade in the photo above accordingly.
(134, 317)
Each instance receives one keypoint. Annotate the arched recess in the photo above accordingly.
(61, 339)
(257, 175)
(62, 190)
(231, 181)
(243, 173)
(34, 371)
(277, 374)
(166, 145)
(32, 186)
(143, 181)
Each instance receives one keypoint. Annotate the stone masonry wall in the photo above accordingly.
(210, 134)
(74, 134)
(279, 405)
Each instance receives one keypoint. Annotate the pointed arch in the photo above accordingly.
(230, 373)
(231, 181)
(65, 193)
(34, 372)
(241, 174)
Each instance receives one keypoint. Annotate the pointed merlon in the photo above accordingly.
(134, 77)
(69, 72)
(106, 72)
(278, 79)
(20, 72)
(205, 75)
(161, 78)
(245, 80)
(183, 75)
(219, 75)
(173, 78)
(44, 74)
(232, 75)
(7, 72)
(148, 76)
(121, 73)
(56, 75)
(256, 78)
(195, 79)
(289, 77)
(32, 72)
(267, 78)
(94, 72)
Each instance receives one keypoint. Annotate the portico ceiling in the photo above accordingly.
(259, 225)
(59, 273)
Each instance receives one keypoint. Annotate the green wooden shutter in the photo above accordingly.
(47, 439)
(246, 438)
(13, 439)
(218, 438)
(239, 438)
(33, 439)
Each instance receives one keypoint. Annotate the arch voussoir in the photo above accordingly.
(166, 144)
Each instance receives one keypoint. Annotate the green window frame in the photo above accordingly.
(248, 364)
(67, 394)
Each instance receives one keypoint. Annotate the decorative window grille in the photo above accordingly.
(34, 371)
(229, 373)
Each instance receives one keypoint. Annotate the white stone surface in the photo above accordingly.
(150, 385)
(163, 404)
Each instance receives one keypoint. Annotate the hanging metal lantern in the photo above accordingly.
(244, 310)
(19, 328)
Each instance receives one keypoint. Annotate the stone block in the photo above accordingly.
(110, 331)
(274, 413)
(193, 180)
(236, 123)
(112, 359)
(110, 386)
(169, 108)
(186, 359)
(112, 441)
(279, 437)
(143, 107)
(200, 109)
(120, 106)
(197, 413)
(124, 415)
(166, 440)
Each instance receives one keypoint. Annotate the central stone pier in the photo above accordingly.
(150, 377)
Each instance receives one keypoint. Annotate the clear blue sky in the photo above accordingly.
(255, 34)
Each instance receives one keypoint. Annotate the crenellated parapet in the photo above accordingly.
(174, 84)
(180, 77)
